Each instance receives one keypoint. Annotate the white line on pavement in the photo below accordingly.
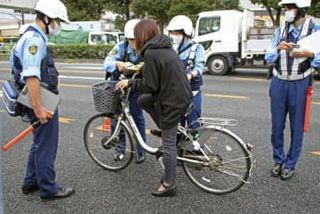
(83, 68)
(80, 77)
(80, 71)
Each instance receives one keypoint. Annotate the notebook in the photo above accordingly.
(311, 43)
(49, 99)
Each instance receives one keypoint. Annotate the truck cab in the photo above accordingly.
(111, 38)
(227, 39)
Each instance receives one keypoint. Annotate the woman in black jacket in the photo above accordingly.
(167, 93)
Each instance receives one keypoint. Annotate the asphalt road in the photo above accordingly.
(242, 96)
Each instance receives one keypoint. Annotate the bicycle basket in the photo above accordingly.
(104, 96)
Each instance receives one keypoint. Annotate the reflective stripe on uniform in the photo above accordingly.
(296, 61)
(292, 77)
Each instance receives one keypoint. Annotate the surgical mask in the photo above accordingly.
(289, 16)
(176, 39)
(54, 31)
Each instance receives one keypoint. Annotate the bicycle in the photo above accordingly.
(214, 158)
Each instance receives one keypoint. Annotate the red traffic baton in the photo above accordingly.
(23, 134)
(306, 126)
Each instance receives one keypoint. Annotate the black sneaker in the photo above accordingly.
(156, 132)
(286, 174)
(62, 193)
(140, 158)
(29, 188)
(276, 170)
(25, 118)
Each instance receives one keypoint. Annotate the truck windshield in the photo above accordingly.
(102, 38)
(209, 25)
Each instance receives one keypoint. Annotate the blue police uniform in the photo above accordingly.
(192, 57)
(30, 58)
(122, 51)
(288, 89)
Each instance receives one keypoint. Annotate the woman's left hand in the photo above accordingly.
(122, 84)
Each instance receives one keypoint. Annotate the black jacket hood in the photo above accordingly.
(159, 41)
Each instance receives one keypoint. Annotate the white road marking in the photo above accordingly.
(80, 77)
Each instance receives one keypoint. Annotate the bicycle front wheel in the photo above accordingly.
(226, 165)
(115, 155)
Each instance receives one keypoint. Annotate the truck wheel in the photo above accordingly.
(218, 65)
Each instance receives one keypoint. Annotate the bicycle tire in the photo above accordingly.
(227, 170)
(97, 131)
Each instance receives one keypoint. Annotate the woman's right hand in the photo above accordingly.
(122, 84)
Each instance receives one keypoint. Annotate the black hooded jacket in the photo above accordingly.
(165, 78)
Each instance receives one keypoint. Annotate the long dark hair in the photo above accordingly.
(145, 30)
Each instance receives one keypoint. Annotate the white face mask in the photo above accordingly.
(54, 31)
(289, 16)
(176, 39)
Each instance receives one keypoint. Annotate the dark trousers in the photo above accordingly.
(169, 138)
(195, 114)
(42, 156)
(287, 97)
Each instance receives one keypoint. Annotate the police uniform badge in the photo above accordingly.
(33, 49)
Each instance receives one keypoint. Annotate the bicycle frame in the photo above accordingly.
(127, 120)
(212, 147)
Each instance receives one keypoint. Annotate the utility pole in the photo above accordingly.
(22, 18)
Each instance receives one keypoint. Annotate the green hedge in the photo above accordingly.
(4, 57)
(80, 51)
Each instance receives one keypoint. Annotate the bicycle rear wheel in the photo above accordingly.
(115, 155)
(229, 164)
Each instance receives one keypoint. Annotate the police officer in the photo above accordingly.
(288, 87)
(114, 65)
(192, 56)
(32, 65)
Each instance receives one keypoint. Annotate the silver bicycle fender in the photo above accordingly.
(230, 133)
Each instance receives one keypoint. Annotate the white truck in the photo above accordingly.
(232, 38)
(106, 37)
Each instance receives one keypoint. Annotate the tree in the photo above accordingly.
(156, 9)
(164, 10)
(271, 5)
(189, 8)
(315, 8)
(123, 9)
(226, 4)
(85, 10)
